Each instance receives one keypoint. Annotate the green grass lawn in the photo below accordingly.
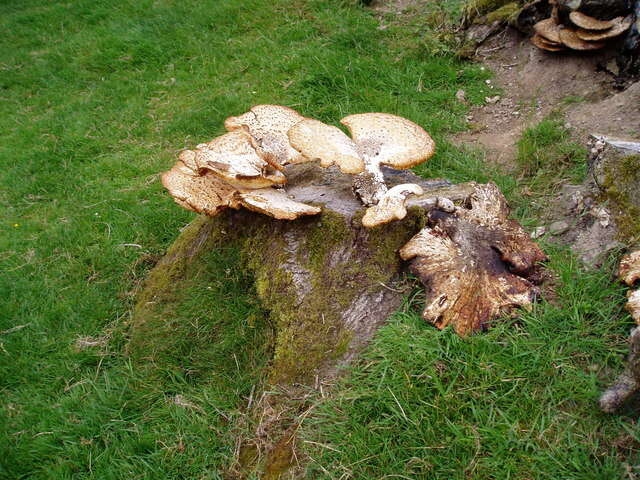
(96, 98)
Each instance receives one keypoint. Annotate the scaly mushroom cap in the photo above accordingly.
(202, 194)
(389, 140)
(548, 29)
(620, 27)
(569, 37)
(319, 141)
(275, 203)
(268, 126)
(545, 44)
(391, 207)
(581, 20)
(629, 271)
(475, 263)
(233, 158)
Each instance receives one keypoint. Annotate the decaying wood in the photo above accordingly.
(475, 262)
(629, 59)
(628, 383)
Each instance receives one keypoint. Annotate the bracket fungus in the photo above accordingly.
(385, 139)
(475, 262)
(229, 172)
(629, 273)
(376, 139)
(577, 31)
(268, 126)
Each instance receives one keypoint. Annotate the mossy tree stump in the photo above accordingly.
(327, 282)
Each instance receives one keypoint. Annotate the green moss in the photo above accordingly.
(305, 305)
(190, 317)
(621, 188)
(506, 13)
(474, 9)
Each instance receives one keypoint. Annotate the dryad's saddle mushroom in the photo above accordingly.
(376, 139)
(237, 169)
(578, 32)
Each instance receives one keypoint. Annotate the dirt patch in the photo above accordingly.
(617, 115)
(531, 84)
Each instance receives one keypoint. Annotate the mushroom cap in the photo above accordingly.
(581, 20)
(620, 27)
(233, 158)
(569, 37)
(275, 203)
(548, 29)
(268, 126)
(389, 139)
(202, 194)
(188, 158)
(544, 44)
(392, 205)
(629, 271)
(319, 141)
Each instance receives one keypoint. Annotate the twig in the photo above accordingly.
(14, 329)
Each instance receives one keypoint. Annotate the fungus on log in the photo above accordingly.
(376, 139)
(228, 172)
(569, 24)
(329, 144)
(617, 29)
(475, 262)
(268, 126)
(385, 139)
(628, 382)
(581, 20)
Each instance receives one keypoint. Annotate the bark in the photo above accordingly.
(628, 60)
(627, 384)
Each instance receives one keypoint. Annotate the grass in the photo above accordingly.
(518, 402)
(95, 101)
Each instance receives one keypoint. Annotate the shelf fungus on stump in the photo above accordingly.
(376, 139)
(228, 172)
(578, 32)
(475, 262)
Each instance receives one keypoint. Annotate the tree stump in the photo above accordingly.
(327, 282)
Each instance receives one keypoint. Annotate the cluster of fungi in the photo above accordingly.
(475, 262)
(576, 30)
